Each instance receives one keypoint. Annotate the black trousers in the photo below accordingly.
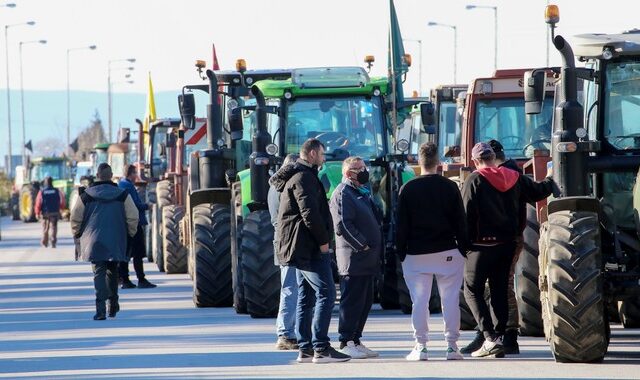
(356, 298)
(136, 250)
(491, 263)
(105, 281)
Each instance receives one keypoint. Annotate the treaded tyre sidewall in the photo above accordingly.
(212, 255)
(156, 235)
(239, 303)
(573, 308)
(28, 194)
(174, 252)
(260, 275)
(164, 193)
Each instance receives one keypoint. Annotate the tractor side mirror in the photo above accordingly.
(187, 105)
(534, 83)
(235, 123)
(428, 116)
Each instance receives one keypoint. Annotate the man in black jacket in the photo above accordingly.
(493, 197)
(304, 232)
(432, 234)
(358, 251)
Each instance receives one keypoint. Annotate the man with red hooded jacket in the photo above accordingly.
(492, 197)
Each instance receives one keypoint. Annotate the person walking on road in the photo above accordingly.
(431, 240)
(286, 320)
(49, 202)
(304, 232)
(136, 245)
(356, 221)
(492, 197)
(102, 218)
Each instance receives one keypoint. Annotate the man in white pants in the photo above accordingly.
(431, 240)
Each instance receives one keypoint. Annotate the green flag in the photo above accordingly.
(396, 63)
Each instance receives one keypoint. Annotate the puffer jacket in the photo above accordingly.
(101, 220)
(304, 219)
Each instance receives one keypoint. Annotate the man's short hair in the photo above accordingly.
(348, 162)
(429, 155)
(104, 172)
(498, 149)
(290, 159)
(48, 181)
(309, 146)
(129, 169)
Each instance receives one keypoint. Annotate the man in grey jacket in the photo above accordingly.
(101, 220)
(358, 251)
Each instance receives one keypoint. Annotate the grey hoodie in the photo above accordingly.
(101, 220)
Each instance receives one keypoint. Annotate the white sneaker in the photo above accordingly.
(419, 353)
(490, 348)
(351, 350)
(364, 349)
(453, 353)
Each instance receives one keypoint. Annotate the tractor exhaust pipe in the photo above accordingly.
(214, 115)
(259, 160)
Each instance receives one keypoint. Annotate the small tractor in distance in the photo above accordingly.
(590, 234)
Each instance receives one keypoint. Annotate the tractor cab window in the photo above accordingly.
(55, 170)
(347, 126)
(622, 114)
(117, 162)
(505, 120)
(448, 130)
(101, 156)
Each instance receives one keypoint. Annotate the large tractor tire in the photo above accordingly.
(629, 311)
(156, 234)
(164, 193)
(571, 287)
(212, 255)
(15, 206)
(526, 279)
(174, 253)
(260, 276)
(28, 196)
(239, 302)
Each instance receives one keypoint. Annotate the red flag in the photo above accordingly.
(216, 66)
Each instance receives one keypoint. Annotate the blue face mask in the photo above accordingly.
(364, 190)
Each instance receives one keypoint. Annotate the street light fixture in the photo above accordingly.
(419, 62)
(455, 47)
(109, 85)
(6, 45)
(24, 149)
(495, 23)
(90, 47)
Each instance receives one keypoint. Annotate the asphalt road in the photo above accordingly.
(47, 331)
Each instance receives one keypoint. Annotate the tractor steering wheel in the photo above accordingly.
(517, 140)
(334, 140)
(619, 139)
(535, 142)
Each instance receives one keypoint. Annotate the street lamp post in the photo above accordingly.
(109, 84)
(6, 46)
(419, 63)
(455, 47)
(90, 47)
(495, 25)
(24, 149)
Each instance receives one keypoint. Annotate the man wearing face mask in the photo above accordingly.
(356, 221)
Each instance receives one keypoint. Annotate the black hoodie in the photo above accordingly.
(304, 220)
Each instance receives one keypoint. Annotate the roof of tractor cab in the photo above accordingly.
(103, 146)
(593, 44)
(324, 81)
(38, 160)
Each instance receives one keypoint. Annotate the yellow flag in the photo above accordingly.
(150, 113)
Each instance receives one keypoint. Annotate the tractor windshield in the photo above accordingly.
(347, 126)
(53, 169)
(449, 133)
(622, 114)
(505, 120)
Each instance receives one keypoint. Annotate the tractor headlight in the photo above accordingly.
(607, 53)
(271, 149)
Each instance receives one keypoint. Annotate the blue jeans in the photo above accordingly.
(316, 298)
(286, 321)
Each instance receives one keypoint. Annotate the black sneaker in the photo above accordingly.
(127, 285)
(475, 343)
(305, 356)
(510, 342)
(285, 343)
(491, 348)
(114, 308)
(144, 284)
(330, 355)
(99, 317)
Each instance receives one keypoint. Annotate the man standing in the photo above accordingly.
(101, 219)
(135, 245)
(49, 202)
(431, 237)
(358, 251)
(304, 233)
(492, 197)
(286, 321)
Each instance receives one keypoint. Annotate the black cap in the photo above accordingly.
(496, 146)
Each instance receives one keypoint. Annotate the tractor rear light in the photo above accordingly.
(288, 95)
(486, 88)
(261, 161)
(607, 53)
(567, 147)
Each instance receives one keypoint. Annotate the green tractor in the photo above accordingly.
(590, 235)
(29, 180)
